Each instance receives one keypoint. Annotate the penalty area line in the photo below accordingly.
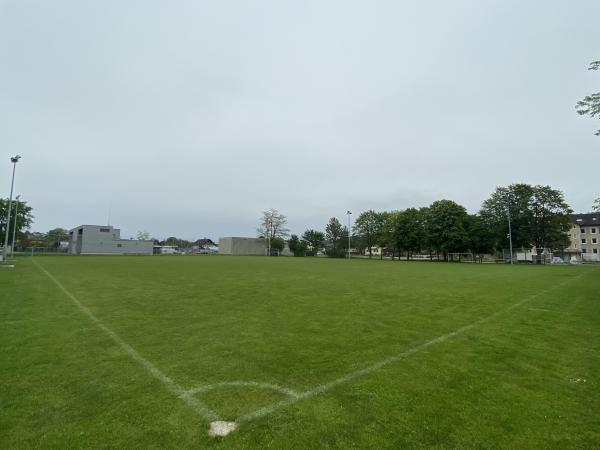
(168, 382)
(392, 359)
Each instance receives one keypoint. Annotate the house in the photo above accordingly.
(585, 237)
(105, 239)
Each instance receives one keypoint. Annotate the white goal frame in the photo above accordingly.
(461, 257)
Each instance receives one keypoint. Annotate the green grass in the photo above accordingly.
(524, 378)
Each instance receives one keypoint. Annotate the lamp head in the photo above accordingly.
(15, 159)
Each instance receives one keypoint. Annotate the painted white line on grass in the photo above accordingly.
(272, 387)
(392, 359)
(169, 383)
(546, 310)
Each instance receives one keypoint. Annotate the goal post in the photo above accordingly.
(461, 257)
(271, 252)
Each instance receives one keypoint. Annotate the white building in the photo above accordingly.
(103, 240)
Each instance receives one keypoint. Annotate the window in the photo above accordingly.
(593, 231)
(583, 240)
(582, 230)
(595, 251)
(594, 241)
(104, 230)
(583, 250)
(119, 245)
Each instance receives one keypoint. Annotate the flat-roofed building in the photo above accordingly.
(105, 239)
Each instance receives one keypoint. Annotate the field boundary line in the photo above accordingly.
(168, 382)
(392, 359)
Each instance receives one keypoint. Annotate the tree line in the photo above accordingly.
(539, 217)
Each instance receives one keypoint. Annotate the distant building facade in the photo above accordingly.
(105, 239)
(585, 236)
(242, 246)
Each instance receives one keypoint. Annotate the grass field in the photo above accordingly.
(145, 352)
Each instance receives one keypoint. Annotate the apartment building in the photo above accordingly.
(585, 236)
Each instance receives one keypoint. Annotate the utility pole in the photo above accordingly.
(349, 213)
(14, 160)
(12, 247)
(509, 234)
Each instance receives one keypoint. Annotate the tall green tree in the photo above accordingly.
(383, 239)
(55, 236)
(539, 216)
(551, 222)
(24, 219)
(277, 243)
(446, 227)
(297, 246)
(596, 206)
(481, 237)
(590, 105)
(514, 200)
(406, 231)
(336, 236)
(369, 226)
(315, 240)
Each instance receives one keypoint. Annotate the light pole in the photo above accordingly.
(349, 213)
(509, 234)
(14, 160)
(12, 247)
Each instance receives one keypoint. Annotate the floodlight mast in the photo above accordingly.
(509, 234)
(14, 160)
(349, 213)
(12, 246)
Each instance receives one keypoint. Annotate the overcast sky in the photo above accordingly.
(189, 118)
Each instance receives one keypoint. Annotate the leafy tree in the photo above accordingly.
(590, 105)
(33, 239)
(446, 227)
(369, 226)
(406, 231)
(314, 240)
(24, 219)
(383, 239)
(514, 200)
(551, 222)
(297, 246)
(55, 236)
(539, 216)
(142, 235)
(277, 243)
(272, 225)
(172, 240)
(336, 235)
(481, 237)
(596, 206)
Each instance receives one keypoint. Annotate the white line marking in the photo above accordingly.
(171, 385)
(547, 310)
(392, 359)
(273, 387)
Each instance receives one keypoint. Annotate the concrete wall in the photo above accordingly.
(242, 246)
(90, 239)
